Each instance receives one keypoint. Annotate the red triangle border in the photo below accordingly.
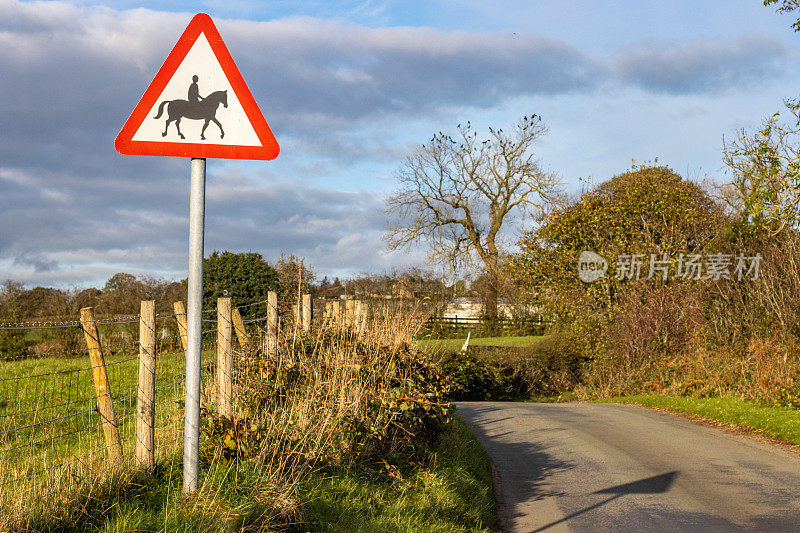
(200, 23)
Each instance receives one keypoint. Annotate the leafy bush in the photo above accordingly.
(510, 373)
(650, 210)
(470, 378)
(332, 398)
(645, 328)
(12, 344)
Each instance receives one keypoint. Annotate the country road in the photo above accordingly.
(609, 467)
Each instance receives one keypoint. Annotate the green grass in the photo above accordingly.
(776, 422)
(135, 501)
(453, 493)
(456, 344)
(48, 422)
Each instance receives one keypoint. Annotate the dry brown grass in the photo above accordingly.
(727, 338)
(765, 370)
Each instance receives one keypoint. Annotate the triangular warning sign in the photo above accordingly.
(198, 105)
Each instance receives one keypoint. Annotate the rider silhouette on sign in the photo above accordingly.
(195, 108)
(194, 91)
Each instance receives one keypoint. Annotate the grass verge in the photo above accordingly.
(453, 492)
(233, 497)
(776, 422)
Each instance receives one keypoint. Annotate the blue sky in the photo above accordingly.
(349, 89)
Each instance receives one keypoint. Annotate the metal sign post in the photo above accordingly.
(194, 324)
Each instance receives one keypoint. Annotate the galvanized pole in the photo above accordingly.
(194, 324)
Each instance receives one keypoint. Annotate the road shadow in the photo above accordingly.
(552, 459)
(521, 485)
(651, 485)
(524, 468)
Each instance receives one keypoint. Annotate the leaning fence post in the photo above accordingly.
(336, 308)
(272, 322)
(238, 327)
(180, 318)
(105, 404)
(224, 357)
(146, 391)
(307, 312)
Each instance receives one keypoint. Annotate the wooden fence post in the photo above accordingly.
(336, 309)
(307, 312)
(105, 404)
(361, 316)
(180, 318)
(272, 323)
(350, 313)
(146, 391)
(224, 357)
(238, 327)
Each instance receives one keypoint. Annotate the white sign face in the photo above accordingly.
(198, 105)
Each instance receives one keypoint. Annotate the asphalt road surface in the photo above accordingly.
(609, 467)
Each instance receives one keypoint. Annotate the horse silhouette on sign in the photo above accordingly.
(205, 109)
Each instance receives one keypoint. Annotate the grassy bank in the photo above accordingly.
(451, 490)
(492, 374)
(775, 422)
(508, 372)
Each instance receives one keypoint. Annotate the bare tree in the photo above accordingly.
(456, 195)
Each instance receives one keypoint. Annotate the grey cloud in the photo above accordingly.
(37, 261)
(75, 73)
(316, 70)
(100, 230)
(72, 210)
(703, 66)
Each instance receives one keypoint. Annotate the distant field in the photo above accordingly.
(455, 344)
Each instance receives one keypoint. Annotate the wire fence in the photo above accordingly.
(51, 432)
(53, 427)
